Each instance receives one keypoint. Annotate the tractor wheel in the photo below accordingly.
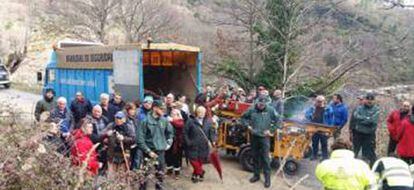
(246, 159)
(291, 167)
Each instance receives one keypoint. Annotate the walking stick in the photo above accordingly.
(123, 154)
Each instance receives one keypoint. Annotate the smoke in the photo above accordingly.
(295, 106)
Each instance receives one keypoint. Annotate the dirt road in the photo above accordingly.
(234, 176)
(237, 179)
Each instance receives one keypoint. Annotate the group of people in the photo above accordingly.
(162, 128)
(343, 170)
(115, 136)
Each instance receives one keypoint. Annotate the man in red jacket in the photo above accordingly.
(394, 122)
(405, 137)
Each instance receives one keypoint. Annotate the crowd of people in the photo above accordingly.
(115, 136)
(343, 170)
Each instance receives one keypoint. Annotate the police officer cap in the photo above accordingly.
(370, 96)
(158, 103)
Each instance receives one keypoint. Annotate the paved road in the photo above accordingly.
(20, 102)
(234, 176)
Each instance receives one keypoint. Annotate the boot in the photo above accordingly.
(169, 170)
(267, 181)
(177, 174)
(254, 179)
(194, 178)
(158, 186)
(143, 186)
(201, 177)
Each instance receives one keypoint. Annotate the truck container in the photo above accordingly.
(131, 70)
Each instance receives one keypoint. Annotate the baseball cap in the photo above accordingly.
(370, 96)
(159, 103)
(148, 99)
(119, 115)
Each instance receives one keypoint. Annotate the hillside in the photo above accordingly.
(347, 32)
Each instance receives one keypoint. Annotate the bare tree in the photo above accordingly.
(84, 19)
(397, 4)
(238, 18)
(140, 19)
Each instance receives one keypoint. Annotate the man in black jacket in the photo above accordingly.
(108, 110)
(120, 138)
(117, 102)
(46, 104)
(80, 107)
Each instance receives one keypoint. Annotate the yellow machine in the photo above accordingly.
(292, 141)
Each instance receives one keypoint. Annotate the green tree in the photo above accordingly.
(282, 23)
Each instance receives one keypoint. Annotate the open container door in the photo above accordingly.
(171, 68)
(126, 73)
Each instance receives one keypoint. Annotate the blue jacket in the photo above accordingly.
(65, 119)
(142, 114)
(327, 115)
(340, 113)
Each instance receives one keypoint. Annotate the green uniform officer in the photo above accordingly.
(364, 128)
(262, 120)
(155, 136)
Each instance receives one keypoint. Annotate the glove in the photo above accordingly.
(153, 155)
(267, 133)
(169, 143)
(109, 133)
(65, 135)
(120, 137)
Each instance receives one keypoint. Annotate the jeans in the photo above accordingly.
(323, 140)
(136, 158)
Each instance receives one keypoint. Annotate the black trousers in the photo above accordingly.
(408, 160)
(386, 187)
(173, 159)
(103, 158)
(261, 161)
(392, 145)
(366, 142)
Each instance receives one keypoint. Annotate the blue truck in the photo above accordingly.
(131, 70)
